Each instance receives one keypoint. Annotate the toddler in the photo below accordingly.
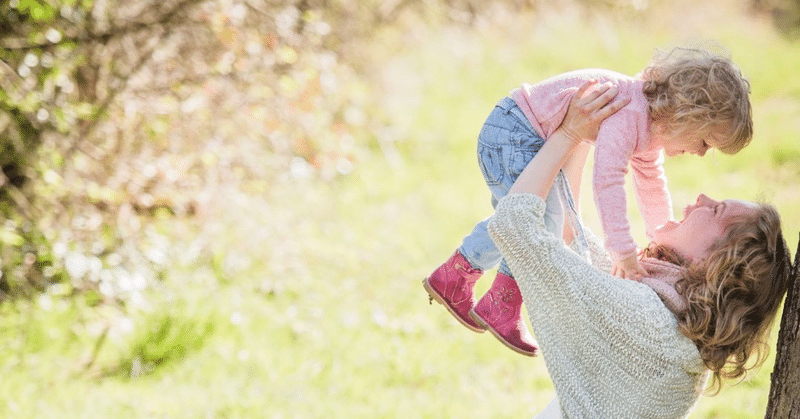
(685, 101)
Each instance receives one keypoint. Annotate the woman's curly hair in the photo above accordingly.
(694, 91)
(734, 294)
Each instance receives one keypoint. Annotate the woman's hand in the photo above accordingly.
(590, 106)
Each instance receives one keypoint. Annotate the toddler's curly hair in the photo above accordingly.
(692, 90)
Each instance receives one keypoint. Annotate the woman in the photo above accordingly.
(618, 348)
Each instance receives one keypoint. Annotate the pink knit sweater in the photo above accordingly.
(624, 139)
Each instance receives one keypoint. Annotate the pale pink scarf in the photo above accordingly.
(662, 279)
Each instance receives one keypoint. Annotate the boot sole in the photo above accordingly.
(477, 319)
(440, 299)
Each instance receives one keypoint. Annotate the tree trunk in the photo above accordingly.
(784, 395)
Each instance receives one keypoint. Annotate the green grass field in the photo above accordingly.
(311, 306)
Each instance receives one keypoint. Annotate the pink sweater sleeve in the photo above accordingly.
(650, 184)
(615, 148)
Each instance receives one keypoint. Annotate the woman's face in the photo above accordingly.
(703, 224)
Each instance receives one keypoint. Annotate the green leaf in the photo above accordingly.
(10, 238)
(39, 12)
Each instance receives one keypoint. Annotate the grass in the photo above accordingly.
(310, 305)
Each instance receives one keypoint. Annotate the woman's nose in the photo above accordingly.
(704, 200)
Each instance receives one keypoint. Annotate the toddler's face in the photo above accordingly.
(689, 139)
(685, 142)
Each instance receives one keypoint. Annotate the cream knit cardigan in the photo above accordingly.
(613, 350)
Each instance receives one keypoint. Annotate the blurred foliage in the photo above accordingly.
(115, 113)
(163, 338)
(785, 14)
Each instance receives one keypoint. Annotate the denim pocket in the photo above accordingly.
(527, 144)
(520, 161)
(490, 159)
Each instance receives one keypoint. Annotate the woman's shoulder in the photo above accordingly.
(658, 325)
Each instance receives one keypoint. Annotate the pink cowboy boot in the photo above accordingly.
(499, 311)
(451, 285)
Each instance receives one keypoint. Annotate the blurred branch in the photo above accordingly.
(17, 196)
(196, 78)
(115, 32)
(10, 81)
(256, 8)
(98, 344)
(77, 140)
(389, 10)
(167, 24)
(21, 43)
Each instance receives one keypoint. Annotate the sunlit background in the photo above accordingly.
(224, 209)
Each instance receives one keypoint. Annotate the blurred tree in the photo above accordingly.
(62, 63)
(113, 112)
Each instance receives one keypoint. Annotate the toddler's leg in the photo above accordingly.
(506, 144)
(499, 310)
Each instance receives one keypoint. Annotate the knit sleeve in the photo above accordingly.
(597, 253)
(610, 345)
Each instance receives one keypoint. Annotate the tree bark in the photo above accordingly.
(784, 395)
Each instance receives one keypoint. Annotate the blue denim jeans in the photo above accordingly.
(506, 144)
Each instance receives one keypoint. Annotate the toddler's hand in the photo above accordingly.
(628, 268)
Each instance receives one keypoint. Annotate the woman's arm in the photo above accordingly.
(573, 170)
